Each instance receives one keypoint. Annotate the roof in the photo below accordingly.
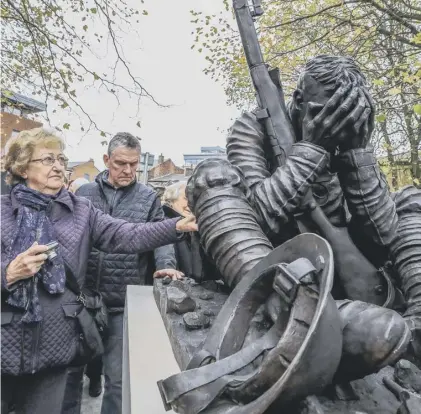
(169, 177)
(72, 164)
(25, 102)
(206, 155)
(213, 150)
(168, 160)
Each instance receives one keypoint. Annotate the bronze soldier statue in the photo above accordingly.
(305, 311)
(237, 202)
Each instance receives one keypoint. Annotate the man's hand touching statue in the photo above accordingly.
(172, 273)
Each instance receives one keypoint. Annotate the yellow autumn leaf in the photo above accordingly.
(394, 91)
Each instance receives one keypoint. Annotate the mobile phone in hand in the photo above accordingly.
(51, 252)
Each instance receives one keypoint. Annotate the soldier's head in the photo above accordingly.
(321, 77)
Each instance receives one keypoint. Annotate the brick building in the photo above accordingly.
(167, 173)
(164, 168)
(82, 169)
(16, 112)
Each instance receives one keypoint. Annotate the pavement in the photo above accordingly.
(90, 405)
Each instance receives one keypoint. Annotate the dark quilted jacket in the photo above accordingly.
(29, 348)
(135, 203)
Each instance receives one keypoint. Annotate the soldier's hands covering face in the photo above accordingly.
(320, 123)
(345, 121)
(356, 128)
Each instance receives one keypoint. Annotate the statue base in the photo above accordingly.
(188, 309)
(147, 356)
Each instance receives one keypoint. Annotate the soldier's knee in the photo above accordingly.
(373, 338)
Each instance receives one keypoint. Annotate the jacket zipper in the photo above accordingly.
(111, 207)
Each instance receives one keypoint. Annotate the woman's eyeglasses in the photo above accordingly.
(50, 160)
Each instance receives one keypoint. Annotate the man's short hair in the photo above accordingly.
(123, 139)
(331, 70)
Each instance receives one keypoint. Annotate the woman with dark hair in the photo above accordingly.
(40, 335)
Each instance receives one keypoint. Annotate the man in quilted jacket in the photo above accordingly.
(117, 193)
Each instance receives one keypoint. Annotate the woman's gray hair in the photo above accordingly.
(123, 139)
(172, 192)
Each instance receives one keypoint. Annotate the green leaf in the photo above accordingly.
(85, 28)
(417, 39)
(378, 82)
(66, 126)
(93, 10)
(96, 77)
(417, 109)
(102, 134)
(20, 47)
(395, 91)
(145, 13)
(381, 118)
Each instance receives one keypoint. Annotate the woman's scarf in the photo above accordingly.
(33, 225)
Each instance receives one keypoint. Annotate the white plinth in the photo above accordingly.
(147, 354)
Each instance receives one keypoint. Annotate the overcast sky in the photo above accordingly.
(173, 73)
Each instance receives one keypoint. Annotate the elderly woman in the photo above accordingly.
(39, 337)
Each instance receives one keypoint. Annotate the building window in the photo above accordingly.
(86, 175)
